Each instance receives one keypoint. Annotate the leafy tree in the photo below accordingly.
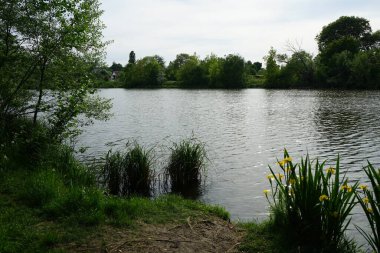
(257, 66)
(191, 74)
(355, 27)
(343, 44)
(55, 45)
(132, 58)
(212, 66)
(174, 66)
(299, 70)
(116, 66)
(272, 69)
(146, 72)
(232, 72)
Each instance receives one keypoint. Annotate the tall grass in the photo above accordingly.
(186, 167)
(130, 172)
(369, 201)
(312, 200)
(138, 175)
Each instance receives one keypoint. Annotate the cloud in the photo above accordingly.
(247, 27)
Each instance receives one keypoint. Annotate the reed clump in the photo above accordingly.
(186, 167)
(129, 172)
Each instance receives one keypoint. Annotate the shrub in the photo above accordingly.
(369, 201)
(313, 204)
(186, 167)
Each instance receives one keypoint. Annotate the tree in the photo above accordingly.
(272, 68)
(174, 66)
(50, 45)
(354, 27)
(343, 44)
(146, 72)
(257, 66)
(116, 66)
(132, 58)
(191, 74)
(232, 72)
(212, 66)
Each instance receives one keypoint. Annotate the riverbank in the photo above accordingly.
(49, 202)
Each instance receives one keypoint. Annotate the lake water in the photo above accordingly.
(244, 132)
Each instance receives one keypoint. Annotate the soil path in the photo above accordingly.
(198, 235)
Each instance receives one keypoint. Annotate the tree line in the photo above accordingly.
(348, 57)
(186, 71)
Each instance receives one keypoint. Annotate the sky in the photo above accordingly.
(245, 27)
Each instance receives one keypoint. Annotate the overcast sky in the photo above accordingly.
(245, 27)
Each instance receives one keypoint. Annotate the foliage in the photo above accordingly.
(186, 167)
(343, 44)
(191, 74)
(146, 72)
(232, 72)
(272, 69)
(355, 27)
(314, 204)
(50, 46)
(369, 201)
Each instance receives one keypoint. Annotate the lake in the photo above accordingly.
(245, 131)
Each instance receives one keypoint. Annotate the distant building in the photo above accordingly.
(114, 75)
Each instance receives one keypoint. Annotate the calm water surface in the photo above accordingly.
(244, 132)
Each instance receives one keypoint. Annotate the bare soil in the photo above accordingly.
(198, 235)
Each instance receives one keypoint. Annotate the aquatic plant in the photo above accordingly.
(129, 172)
(138, 177)
(312, 201)
(369, 201)
(186, 168)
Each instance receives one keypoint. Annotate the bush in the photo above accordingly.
(314, 204)
(186, 167)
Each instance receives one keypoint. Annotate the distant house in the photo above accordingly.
(114, 75)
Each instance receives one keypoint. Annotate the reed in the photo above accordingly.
(186, 167)
(138, 176)
(129, 172)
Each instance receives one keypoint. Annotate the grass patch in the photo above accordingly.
(265, 238)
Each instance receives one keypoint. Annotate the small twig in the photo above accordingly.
(188, 223)
(209, 222)
(172, 241)
(230, 249)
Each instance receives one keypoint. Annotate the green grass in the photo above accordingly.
(57, 202)
(265, 237)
